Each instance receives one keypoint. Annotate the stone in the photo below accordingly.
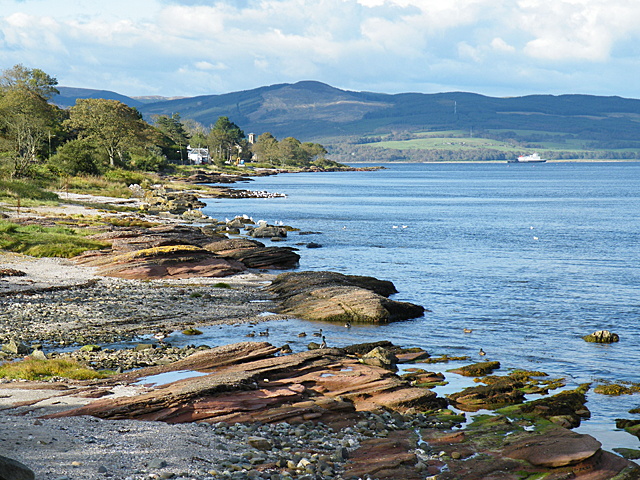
(156, 463)
(266, 231)
(477, 369)
(260, 443)
(16, 348)
(13, 470)
(90, 348)
(38, 355)
(602, 336)
(381, 357)
(555, 448)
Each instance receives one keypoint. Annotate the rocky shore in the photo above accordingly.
(250, 410)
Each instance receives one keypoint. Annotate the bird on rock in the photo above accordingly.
(324, 343)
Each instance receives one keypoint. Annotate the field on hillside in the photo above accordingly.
(490, 144)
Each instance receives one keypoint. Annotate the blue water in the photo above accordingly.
(530, 257)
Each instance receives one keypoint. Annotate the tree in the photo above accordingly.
(266, 148)
(291, 152)
(27, 79)
(26, 119)
(313, 151)
(223, 138)
(110, 125)
(173, 128)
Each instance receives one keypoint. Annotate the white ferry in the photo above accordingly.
(534, 158)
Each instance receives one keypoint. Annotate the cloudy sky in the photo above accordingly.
(198, 47)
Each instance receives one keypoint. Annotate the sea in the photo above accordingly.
(529, 257)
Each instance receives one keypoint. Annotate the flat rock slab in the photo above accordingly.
(245, 382)
(385, 458)
(557, 448)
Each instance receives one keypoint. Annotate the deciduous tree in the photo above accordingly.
(110, 125)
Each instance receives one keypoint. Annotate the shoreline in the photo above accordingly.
(83, 442)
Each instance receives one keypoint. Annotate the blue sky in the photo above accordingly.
(196, 47)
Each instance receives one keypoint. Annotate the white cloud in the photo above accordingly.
(499, 45)
(194, 47)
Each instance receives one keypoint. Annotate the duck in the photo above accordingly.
(302, 334)
(324, 343)
(265, 333)
(482, 353)
(347, 325)
(318, 334)
(250, 334)
(467, 330)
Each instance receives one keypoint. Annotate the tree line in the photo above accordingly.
(96, 135)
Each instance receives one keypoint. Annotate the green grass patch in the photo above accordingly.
(29, 193)
(33, 369)
(38, 241)
(221, 285)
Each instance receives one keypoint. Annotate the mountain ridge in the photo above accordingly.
(312, 110)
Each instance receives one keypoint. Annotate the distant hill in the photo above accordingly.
(69, 95)
(313, 111)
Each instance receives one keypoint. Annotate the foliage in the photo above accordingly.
(75, 157)
(34, 369)
(173, 128)
(266, 148)
(26, 122)
(27, 79)
(127, 177)
(224, 138)
(110, 125)
(39, 241)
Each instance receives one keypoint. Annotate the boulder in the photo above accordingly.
(602, 336)
(267, 231)
(266, 257)
(330, 296)
(555, 448)
(382, 358)
(13, 470)
(16, 348)
(477, 369)
(492, 396)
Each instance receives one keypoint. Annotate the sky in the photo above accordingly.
(196, 47)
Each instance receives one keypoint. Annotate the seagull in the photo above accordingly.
(467, 330)
(405, 226)
(344, 228)
(482, 353)
(318, 334)
(302, 334)
(394, 226)
(160, 336)
(324, 343)
(535, 238)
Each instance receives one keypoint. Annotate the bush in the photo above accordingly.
(75, 157)
(124, 176)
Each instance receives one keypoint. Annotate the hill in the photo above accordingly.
(69, 95)
(315, 111)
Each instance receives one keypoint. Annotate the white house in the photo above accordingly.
(198, 156)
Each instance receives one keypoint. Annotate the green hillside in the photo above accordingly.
(419, 127)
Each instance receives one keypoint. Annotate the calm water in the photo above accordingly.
(530, 257)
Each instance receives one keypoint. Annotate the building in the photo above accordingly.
(198, 156)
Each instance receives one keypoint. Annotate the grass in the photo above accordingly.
(33, 369)
(221, 285)
(38, 241)
(29, 193)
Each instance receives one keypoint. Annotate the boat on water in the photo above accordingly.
(534, 158)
